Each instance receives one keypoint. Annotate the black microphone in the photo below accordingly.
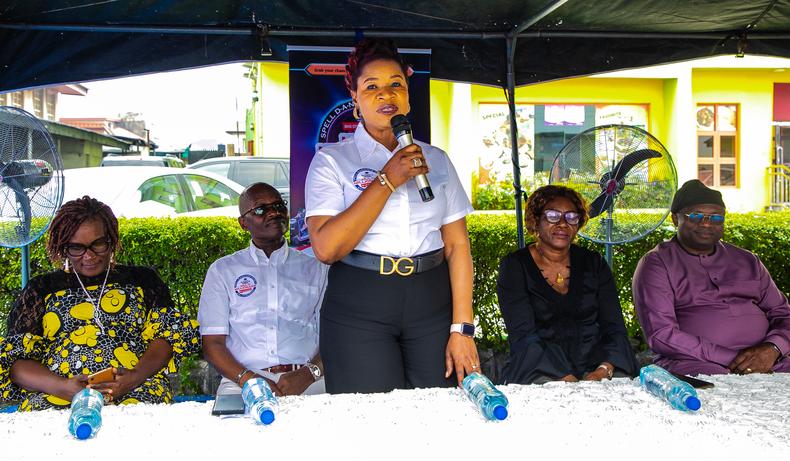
(401, 128)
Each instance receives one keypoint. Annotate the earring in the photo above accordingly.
(356, 112)
(66, 265)
(112, 260)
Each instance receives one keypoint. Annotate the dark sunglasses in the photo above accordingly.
(697, 218)
(280, 207)
(98, 247)
(554, 216)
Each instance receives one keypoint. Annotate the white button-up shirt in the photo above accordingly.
(407, 226)
(267, 306)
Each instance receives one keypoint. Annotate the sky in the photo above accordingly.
(195, 106)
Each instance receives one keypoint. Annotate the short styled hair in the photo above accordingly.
(369, 50)
(540, 197)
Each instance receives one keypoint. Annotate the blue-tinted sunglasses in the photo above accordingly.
(697, 218)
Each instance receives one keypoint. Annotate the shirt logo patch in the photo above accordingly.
(245, 285)
(363, 177)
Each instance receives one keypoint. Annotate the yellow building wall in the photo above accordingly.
(273, 112)
(588, 90)
(752, 90)
(671, 102)
(452, 127)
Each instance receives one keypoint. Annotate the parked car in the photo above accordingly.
(141, 191)
(141, 160)
(248, 170)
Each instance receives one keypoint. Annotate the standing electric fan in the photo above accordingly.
(31, 181)
(627, 177)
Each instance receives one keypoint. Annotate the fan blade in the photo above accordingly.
(601, 203)
(631, 160)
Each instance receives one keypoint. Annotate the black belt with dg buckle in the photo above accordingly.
(389, 265)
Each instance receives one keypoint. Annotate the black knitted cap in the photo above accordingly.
(694, 192)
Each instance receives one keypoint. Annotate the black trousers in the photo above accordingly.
(385, 332)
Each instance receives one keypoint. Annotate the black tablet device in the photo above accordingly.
(695, 383)
(228, 404)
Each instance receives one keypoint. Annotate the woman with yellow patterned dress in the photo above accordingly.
(91, 315)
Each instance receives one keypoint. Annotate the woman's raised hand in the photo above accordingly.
(405, 164)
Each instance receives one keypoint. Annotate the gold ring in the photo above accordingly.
(417, 162)
(748, 370)
(474, 367)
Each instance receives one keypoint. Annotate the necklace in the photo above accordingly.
(560, 279)
(96, 303)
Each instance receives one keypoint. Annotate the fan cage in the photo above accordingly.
(31, 178)
(641, 199)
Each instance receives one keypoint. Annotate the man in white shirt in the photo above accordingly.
(259, 308)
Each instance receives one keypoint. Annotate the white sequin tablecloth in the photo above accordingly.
(741, 416)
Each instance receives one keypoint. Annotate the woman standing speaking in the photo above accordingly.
(398, 306)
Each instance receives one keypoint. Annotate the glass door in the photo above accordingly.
(780, 168)
(781, 145)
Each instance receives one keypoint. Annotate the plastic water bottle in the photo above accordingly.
(677, 393)
(85, 419)
(259, 401)
(491, 402)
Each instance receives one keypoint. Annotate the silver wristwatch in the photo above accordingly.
(316, 372)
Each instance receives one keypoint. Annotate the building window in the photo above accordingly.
(543, 130)
(51, 102)
(17, 99)
(38, 103)
(717, 144)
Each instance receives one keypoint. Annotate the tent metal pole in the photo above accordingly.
(538, 16)
(293, 33)
(510, 44)
(510, 53)
(252, 30)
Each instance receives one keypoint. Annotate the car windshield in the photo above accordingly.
(268, 172)
(208, 193)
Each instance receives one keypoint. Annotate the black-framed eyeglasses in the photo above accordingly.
(280, 206)
(697, 218)
(98, 247)
(554, 216)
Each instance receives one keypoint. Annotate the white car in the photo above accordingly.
(142, 191)
(138, 160)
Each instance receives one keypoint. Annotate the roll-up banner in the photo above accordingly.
(322, 112)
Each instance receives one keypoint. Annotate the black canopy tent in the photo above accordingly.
(494, 42)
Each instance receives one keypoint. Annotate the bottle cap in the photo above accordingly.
(84, 431)
(500, 412)
(267, 416)
(693, 403)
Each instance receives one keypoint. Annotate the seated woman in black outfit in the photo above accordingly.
(559, 300)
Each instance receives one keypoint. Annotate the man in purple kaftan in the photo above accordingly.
(705, 306)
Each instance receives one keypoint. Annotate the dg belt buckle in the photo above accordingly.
(395, 266)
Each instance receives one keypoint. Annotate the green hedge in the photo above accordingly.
(494, 235)
(180, 249)
(183, 248)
